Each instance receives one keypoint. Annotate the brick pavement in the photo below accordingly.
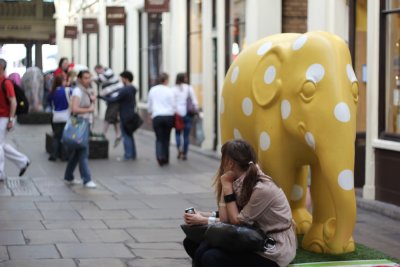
(131, 219)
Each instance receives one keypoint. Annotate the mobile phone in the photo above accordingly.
(190, 210)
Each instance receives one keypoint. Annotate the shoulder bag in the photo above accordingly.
(133, 123)
(235, 238)
(76, 133)
(191, 109)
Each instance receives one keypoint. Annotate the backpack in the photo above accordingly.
(22, 101)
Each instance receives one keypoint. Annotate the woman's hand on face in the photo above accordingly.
(194, 219)
(228, 178)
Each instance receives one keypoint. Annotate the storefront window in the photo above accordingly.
(360, 62)
(150, 51)
(195, 39)
(392, 67)
(235, 29)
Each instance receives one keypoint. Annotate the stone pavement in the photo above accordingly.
(131, 219)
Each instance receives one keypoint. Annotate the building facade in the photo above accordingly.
(203, 37)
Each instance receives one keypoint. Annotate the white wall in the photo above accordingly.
(263, 18)
(329, 15)
(64, 45)
(176, 39)
(372, 96)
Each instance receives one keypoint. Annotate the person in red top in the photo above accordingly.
(8, 105)
(62, 69)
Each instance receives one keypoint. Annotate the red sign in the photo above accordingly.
(70, 32)
(90, 26)
(156, 6)
(115, 15)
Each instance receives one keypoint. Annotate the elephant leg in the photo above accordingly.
(326, 235)
(297, 197)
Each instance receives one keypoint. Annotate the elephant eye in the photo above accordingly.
(308, 91)
(354, 91)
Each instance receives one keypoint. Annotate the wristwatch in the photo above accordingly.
(11, 119)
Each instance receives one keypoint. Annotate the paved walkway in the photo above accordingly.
(131, 219)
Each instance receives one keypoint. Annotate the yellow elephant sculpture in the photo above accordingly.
(294, 98)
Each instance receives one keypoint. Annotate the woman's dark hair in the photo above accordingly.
(127, 75)
(57, 81)
(163, 77)
(181, 78)
(61, 61)
(243, 154)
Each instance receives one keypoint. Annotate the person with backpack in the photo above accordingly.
(8, 106)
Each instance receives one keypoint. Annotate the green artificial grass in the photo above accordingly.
(361, 253)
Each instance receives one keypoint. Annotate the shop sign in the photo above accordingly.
(90, 26)
(115, 15)
(70, 32)
(156, 6)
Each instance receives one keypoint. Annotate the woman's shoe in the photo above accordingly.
(180, 155)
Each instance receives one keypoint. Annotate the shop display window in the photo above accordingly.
(150, 55)
(235, 29)
(392, 69)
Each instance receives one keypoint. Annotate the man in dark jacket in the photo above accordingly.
(126, 97)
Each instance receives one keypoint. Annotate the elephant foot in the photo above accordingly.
(303, 220)
(319, 239)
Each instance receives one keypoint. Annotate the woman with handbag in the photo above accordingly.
(186, 106)
(58, 99)
(246, 196)
(82, 106)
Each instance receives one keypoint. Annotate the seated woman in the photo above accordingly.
(246, 196)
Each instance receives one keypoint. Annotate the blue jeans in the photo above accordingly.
(129, 144)
(162, 126)
(80, 156)
(187, 121)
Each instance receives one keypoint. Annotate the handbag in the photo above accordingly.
(191, 109)
(235, 238)
(133, 123)
(178, 124)
(76, 133)
(195, 233)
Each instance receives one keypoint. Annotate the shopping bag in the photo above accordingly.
(133, 123)
(199, 133)
(179, 124)
(76, 133)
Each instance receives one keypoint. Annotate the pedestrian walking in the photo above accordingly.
(82, 105)
(8, 105)
(126, 98)
(59, 101)
(109, 83)
(161, 106)
(184, 93)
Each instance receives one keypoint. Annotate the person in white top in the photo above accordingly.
(161, 107)
(183, 91)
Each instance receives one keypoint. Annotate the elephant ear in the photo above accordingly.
(267, 77)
